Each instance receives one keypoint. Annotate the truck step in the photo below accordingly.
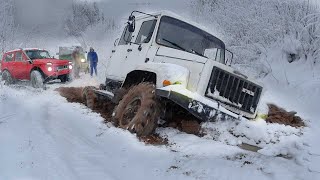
(104, 93)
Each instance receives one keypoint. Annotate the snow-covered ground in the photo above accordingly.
(42, 136)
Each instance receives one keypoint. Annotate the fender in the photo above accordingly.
(166, 71)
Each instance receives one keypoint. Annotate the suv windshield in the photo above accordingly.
(37, 54)
(177, 34)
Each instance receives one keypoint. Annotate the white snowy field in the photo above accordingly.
(42, 136)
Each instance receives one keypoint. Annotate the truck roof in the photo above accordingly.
(174, 15)
(24, 49)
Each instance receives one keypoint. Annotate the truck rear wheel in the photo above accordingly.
(7, 78)
(138, 110)
(36, 79)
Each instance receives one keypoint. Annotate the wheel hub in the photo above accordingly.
(131, 111)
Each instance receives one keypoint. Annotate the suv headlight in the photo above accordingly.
(70, 66)
(49, 68)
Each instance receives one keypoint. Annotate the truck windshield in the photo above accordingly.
(177, 34)
(37, 54)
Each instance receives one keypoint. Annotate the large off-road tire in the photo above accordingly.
(138, 110)
(36, 79)
(89, 97)
(7, 78)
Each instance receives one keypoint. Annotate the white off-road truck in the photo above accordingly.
(162, 64)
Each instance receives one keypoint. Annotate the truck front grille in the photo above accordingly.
(233, 90)
(59, 68)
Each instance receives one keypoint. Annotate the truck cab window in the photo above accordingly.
(180, 35)
(9, 57)
(146, 31)
(18, 56)
(126, 37)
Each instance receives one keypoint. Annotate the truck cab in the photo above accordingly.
(169, 48)
(163, 56)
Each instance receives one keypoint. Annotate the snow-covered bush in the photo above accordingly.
(311, 37)
(7, 30)
(84, 14)
(251, 27)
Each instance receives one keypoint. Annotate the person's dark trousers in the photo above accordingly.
(93, 66)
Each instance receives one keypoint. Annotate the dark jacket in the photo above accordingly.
(92, 57)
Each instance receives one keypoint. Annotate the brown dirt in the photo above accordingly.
(187, 126)
(72, 94)
(281, 116)
(154, 140)
(190, 127)
(182, 121)
(75, 94)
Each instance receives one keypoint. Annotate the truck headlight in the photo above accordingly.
(70, 66)
(83, 60)
(50, 69)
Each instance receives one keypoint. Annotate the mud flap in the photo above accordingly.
(200, 110)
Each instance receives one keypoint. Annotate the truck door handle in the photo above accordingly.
(129, 50)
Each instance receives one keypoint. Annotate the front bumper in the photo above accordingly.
(199, 106)
(56, 74)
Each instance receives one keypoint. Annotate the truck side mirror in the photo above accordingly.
(131, 23)
(228, 57)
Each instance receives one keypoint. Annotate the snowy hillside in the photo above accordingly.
(43, 136)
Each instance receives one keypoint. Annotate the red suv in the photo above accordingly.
(35, 65)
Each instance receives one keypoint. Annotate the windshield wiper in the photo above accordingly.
(175, 44)
(180, 47)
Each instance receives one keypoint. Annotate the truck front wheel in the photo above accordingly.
(36, 79)
(138, 110)
(64, 78)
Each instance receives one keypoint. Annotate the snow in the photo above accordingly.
(42, 136)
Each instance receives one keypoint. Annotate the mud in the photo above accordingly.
(72, 94)
(281, 116)
(154, 139)
(182, 121)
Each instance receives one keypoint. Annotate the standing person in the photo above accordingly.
(93, 59)
(76, 61)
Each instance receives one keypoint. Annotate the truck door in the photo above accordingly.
(22, 67)
(115, 63)
(138, 51)
(8, 62)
